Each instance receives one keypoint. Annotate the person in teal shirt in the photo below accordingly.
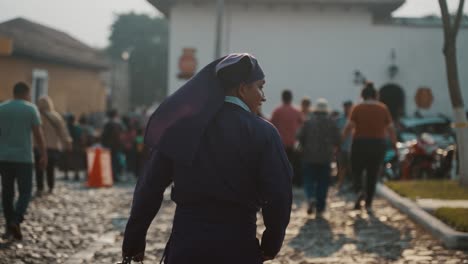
(18, 120)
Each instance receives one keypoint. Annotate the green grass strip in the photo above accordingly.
(457, 218)
(433, 189)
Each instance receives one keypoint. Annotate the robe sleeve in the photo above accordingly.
(276, 194)
(147, 199)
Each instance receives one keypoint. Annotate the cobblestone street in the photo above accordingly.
(78, 225)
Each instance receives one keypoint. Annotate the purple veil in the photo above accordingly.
(177, 125)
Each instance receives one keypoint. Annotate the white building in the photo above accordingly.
(315, 47)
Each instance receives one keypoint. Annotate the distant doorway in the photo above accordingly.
(393, 96)
(40, 84)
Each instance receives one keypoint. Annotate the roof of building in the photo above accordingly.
(428, 21)
(377, 7)
(44, 43)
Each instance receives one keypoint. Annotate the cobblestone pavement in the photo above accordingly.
(60, 224)
(66, 227)
(341, 236)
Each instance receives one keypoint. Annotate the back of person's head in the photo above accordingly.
(21, 90)
(369, 91)
(70, 119)
(321, 106)
(45, 104)
(112, 113)
(83, 120)
(233, 75)
(347, 104)
(287, 96)
(335, 114)
(305, 102)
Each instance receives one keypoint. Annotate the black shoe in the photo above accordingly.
(310, 209)
(39, 193)
(319, 213)
(357, 205)
(15, 231)
(7, 234)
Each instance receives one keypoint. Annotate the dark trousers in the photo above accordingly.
(52, 156)
(22, 173)
(116, 160)
(366, 156)
(293, 158)
(316, 182)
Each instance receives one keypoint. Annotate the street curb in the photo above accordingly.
(451, 238)
(88, 253)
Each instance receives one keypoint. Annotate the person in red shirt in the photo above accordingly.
(370, 123)
(287, 119)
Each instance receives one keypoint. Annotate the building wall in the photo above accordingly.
(72, 89)
(191, 26)
(315, 52)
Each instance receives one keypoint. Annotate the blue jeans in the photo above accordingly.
(316, 182)
(22, 173)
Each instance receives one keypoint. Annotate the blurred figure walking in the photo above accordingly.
(128, 136)
(57, 139)
(344, 157)
(305, 107)
(74, 158)
(88, 133)
(287, 119)
(319, 138)
(18, 119)
(370, 122)
(111, 139)
(139, 150)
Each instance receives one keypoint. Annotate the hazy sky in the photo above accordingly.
(90, 20)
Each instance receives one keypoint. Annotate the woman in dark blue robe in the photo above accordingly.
(225, 164)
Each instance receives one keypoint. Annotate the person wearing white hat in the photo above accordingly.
(319, 138)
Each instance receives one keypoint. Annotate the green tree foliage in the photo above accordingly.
(145, 40)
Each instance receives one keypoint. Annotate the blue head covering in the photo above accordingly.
(177, 125)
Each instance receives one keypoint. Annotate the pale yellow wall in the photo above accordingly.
(72, 89)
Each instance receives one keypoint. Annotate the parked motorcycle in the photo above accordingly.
(426, 159)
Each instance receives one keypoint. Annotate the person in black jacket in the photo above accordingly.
(225, 164)
(111, 138)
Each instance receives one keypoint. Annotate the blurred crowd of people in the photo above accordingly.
(355, 140)
(60, 143)
(123, 136)
(67, 140)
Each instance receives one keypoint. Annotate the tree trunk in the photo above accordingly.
(458, 108)
(462, 145)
